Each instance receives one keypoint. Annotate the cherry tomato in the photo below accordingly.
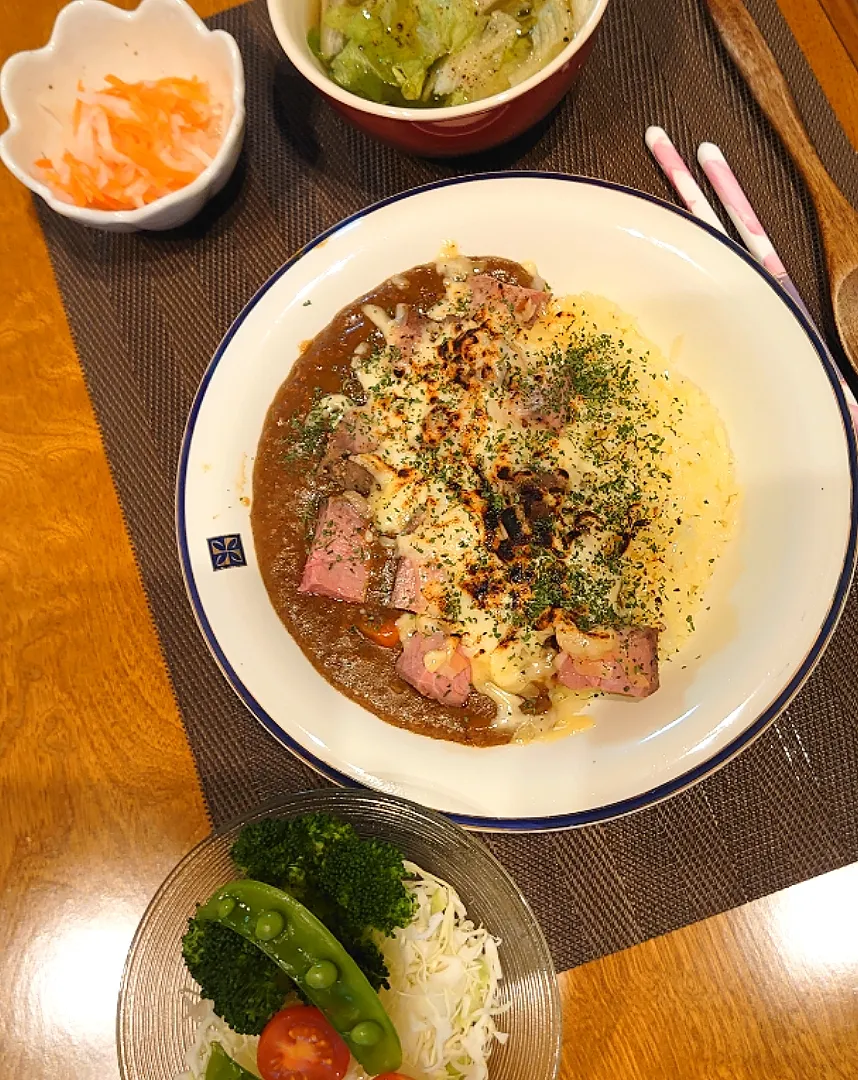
(298, 1043)
(386, 635)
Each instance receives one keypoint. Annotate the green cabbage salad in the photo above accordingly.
(438, 52)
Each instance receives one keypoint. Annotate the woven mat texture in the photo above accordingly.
(147, 312)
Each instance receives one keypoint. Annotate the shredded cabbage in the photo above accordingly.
(444, 981)
(445, 976)
(211, 1029)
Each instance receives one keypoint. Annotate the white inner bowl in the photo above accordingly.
(92, 39)
(773, 598)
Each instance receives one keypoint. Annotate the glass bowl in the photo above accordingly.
(154, 1022)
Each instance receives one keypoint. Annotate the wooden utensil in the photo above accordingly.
(838, 221)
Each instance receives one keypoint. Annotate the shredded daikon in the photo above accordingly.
(132, 143)
(445, 976)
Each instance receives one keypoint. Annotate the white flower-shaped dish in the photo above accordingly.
(90, 40)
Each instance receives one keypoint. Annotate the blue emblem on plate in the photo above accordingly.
(226, 551)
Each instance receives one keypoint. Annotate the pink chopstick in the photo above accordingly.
(756, 240)
(677, 172)
(748, 225)
(742, 214)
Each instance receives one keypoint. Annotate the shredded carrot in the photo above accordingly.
(132, 143)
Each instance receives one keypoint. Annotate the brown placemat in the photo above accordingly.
(147, 311)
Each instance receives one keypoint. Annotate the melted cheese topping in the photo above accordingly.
(478, 412)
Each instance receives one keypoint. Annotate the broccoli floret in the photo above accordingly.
(367, 955)
(278, 852)
(247, 988)
(364, 879)
(353, 885)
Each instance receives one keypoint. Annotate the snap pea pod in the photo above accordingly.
(222, 1067)
(309, 953)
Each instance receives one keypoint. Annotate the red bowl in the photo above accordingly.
(449, 132)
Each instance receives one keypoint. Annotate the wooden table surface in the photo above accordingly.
(90, 822)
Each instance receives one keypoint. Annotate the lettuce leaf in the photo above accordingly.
(446, 25)
(407, 52)
(468, 73)
(353, 69)
(552, 30)
(397, 40)
(330, 41)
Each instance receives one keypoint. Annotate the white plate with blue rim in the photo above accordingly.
(775, 598)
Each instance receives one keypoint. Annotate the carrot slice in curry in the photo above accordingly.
(387, 634)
